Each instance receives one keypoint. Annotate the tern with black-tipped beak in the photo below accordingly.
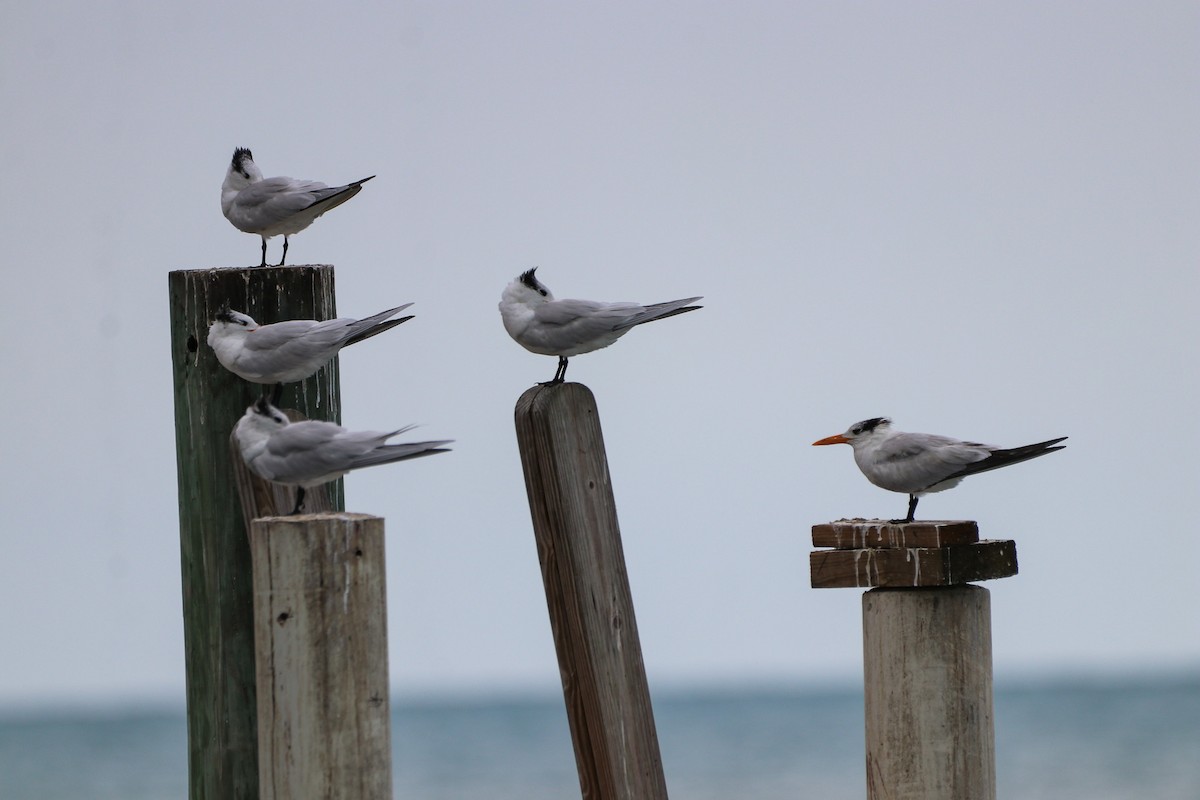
(290, 351)
(276, 206)
(563, 328)
(311, 452)
(918, 464)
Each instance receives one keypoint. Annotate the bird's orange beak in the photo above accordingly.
(837, 439)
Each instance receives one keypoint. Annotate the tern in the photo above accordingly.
(273, 206)
(549, 327)
(309, 453)
(917, 464)
(286, 352)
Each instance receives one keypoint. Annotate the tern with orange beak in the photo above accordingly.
(918, 464)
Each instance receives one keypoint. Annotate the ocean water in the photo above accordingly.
(1112, 740)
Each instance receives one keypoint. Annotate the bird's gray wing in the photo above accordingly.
(562, 325)
(375, 324)
(321, 341)
(572, 312)
(659, 311)
(348, 450)
(301, 451)
(292, 350)
(327, 198)
(400, 452)
(270, 338)
(997, 457)
(312, 449)
(275, 199)
(914, 462)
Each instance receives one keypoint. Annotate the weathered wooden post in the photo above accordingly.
(320, 611)
(587, 592)
(927, 651)
(215, 552)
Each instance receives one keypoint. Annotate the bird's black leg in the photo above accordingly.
(559, 373)
(277, 395)
(912, 509)
(299, 501)
(264, 261)
(282, 258)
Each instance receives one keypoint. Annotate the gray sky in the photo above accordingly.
(979, 219)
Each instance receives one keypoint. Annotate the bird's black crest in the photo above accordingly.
(262, 406)
(870, 424)
(240, 155)
(225, 313)
(530, 280)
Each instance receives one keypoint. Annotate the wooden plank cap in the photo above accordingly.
(913, 566)
(849, 534)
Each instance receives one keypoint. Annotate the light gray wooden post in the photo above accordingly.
(320, 629)
(927, 650)
(927, 672)
(218, 625)
(587, 593)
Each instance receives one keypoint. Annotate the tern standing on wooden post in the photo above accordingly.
(290, 351)
(917, 464)
(274, 206)
(310, 453)
(549, 327)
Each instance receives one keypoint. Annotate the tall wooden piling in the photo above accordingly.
(320, 610)
(214, 549)
(587, 592)
(927, 673)
(927, 650)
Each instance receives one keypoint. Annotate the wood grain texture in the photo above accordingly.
(587, 593)
(852, 534)
(927, 670)
(913, 566)
(320, 611)
(214, 548)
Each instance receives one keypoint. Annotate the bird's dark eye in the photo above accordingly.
(542, 292)
(856, 430)
(243, 323)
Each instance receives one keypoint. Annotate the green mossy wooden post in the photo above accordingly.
(218, 608)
